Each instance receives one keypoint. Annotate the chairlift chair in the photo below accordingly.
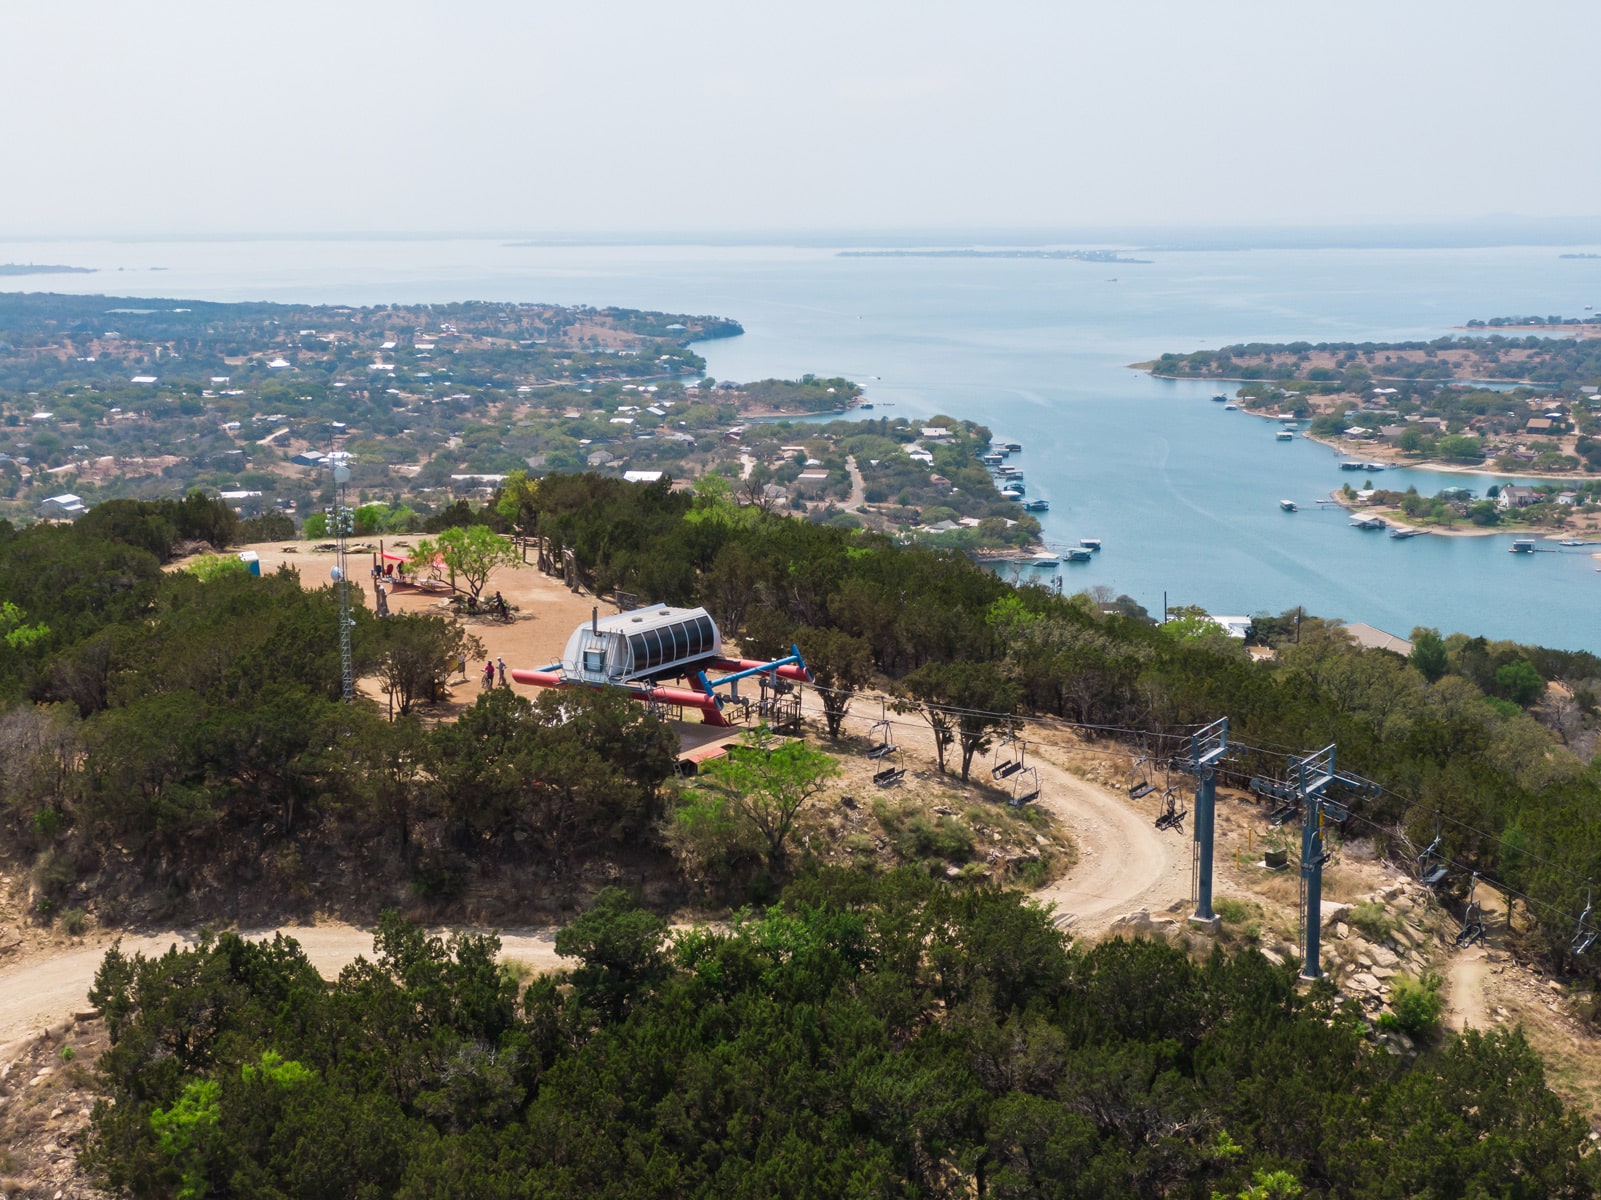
(1584, 936)
(892, 770)
(1173, 812)
(1285, 812)
(1026, 786)
(1432, 869)
(882, 737)
(1009, 755)
(1472, 919)
(1139, 779)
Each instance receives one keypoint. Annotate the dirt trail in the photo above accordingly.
(858, 485)
(50, 987)
(1465, 1006)
(1124, 862)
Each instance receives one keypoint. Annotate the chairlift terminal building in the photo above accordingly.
(648, 643)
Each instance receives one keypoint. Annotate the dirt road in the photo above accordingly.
(1124, 862)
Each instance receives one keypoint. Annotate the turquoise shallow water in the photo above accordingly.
(1184, 495)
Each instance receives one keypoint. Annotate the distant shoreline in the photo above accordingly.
(43, 269)
(1090, 256)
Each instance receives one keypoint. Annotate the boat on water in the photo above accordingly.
(1351, 464)
(1368, 523)
(1373, 466)
(1037, 506)
(1011, 447)
(1090, 543)
(1401, 531)
(1079, 555)
(1046, 560)
(1289, 506)
(1220, 398)
(864, 406)
(1012, 493)
(1572, 542)
(992, 459)
(1522, 546)
(1284, 435)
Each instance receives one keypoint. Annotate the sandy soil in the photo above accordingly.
(546, 615)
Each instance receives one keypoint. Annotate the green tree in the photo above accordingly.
(840, 666)
(620, 950)
(415, 651)
(1428, 653)
(471, 553)
(963, 703)
(766, 782)
(1519, 682)
(16, 632)
(213, 566)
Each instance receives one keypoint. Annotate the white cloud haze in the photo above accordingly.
(168, 117)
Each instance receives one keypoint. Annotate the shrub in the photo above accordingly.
(74, 921)
(1235, 912)
(1373, 919)
(1415, 1006)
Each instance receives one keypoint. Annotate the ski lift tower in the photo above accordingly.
(1207, 747)
(341, 521)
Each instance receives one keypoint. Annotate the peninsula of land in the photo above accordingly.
(43, 269)
(105, 398)
(1512, 405)
(1498, 405)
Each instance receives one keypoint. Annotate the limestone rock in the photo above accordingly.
(1383, 956)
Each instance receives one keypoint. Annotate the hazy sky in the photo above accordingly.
(587, 116)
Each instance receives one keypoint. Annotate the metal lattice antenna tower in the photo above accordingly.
(341, 516)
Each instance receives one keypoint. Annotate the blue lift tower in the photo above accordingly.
(1314, 775)
(1207, 746)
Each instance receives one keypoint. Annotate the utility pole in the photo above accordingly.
(1207, 746)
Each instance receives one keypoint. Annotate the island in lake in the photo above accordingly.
(43, 269)
(1092, 256)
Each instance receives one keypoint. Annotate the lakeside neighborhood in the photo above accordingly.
(432, 405)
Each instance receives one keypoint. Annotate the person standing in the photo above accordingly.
(502, 664)
(489, 675)
(461, 665)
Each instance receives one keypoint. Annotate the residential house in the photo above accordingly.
(65, 507)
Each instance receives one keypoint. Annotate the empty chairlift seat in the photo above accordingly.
(650, 643)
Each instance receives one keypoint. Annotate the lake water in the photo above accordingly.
(1184, 495)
